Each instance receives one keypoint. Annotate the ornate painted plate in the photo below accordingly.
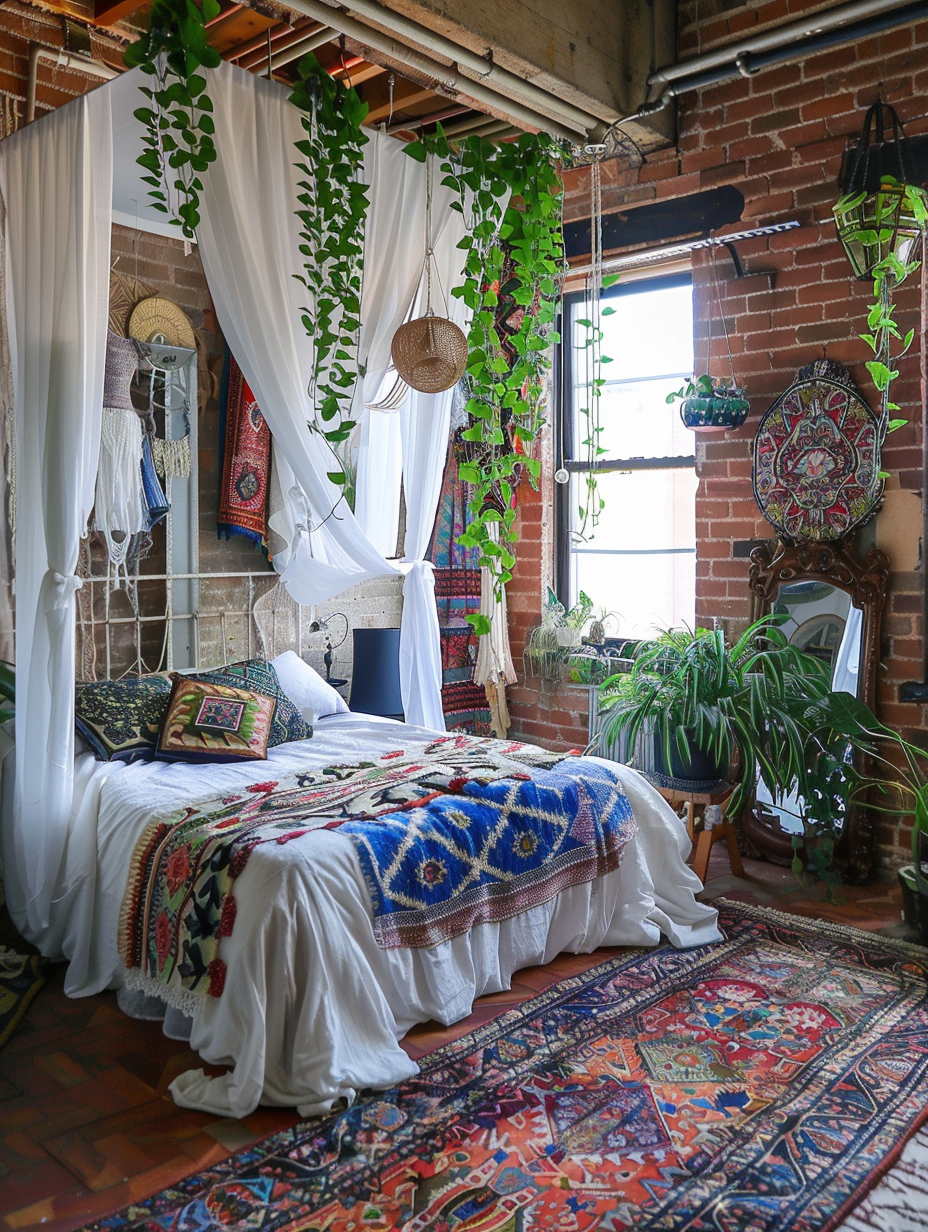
(817, 457)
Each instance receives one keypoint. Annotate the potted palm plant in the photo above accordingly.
(760, 704)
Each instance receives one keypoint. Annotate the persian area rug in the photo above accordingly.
(20, 980)
(761, 1083)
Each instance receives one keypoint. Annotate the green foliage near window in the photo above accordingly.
(510, 194)
(333, 209)
(178, 122)
(888, 273)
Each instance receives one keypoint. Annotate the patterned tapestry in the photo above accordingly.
(817, 457)
(760, 1084)
(245, 442)
(457, 593)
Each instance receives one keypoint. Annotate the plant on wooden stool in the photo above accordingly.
(761, 700)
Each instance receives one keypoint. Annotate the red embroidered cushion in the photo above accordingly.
(206, 721)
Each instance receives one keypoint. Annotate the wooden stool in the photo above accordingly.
(696, 803)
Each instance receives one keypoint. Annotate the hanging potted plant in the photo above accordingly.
(711, 403)
(708, 403)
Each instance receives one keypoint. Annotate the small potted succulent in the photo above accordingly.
(711, 404)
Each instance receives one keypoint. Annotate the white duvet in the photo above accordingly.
(313, 1009)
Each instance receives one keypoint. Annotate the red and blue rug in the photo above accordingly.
(759, 1084)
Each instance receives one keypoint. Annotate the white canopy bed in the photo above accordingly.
(312, 1008)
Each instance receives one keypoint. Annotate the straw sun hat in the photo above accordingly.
(158, 320)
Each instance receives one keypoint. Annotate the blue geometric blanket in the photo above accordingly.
(491, 850)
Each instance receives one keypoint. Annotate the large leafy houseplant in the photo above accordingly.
(760, 701)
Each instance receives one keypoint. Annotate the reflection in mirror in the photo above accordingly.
(824, 623)
(834, 602)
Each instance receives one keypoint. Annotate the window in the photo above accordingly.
(641, 563)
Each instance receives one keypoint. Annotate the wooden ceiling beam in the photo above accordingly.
(108, 12)
(406, 95)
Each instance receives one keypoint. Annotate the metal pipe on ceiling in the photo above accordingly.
(449, 79)
(61, 59)
(793, 41)
(296, 48)
(256, 59)
(803, 27)
(504, 82)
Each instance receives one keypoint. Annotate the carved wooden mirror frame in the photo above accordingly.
(779, 563)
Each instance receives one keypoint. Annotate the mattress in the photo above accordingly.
(313, 1009)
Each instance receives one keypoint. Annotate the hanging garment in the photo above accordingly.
(120, 509)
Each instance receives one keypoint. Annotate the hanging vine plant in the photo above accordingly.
(178, 125)
(510, 195)
(333, 209)
(888, 273)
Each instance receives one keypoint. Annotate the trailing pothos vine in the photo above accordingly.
(510, 196)
(178, 125)
(881, 323)
(333, 208)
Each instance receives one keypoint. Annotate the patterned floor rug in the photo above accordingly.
(20, 980)
(762, 1083)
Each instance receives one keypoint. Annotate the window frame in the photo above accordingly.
(564, 423)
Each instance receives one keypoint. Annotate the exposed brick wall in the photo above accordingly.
(779, 138)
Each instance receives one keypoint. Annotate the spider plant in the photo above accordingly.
(760, 703)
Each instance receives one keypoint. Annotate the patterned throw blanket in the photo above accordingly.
(454, 833)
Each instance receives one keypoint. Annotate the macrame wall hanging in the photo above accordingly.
(430, 353)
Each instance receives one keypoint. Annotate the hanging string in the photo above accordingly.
(590, 504)
(391, 82)
(718, 300)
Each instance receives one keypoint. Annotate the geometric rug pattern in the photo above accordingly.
(20, 979)
(763, 1083)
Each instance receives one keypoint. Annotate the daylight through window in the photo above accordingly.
(641, 562)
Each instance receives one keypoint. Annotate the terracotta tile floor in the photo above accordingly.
(86, 1124)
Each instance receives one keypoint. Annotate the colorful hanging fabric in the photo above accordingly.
(246, 450)
(457, 594)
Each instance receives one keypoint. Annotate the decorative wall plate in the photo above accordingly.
(817, 457)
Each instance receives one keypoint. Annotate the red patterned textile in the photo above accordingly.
(246, 463)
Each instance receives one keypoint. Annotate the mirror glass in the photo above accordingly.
(822, 622)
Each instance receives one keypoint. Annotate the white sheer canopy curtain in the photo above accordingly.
(249, 244)
(425, 424)
(394, 248)
(56, 181)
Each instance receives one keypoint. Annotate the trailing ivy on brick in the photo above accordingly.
(178, 122)
(332, 211)
(510, 194)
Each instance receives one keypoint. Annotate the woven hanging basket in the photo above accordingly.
(430, 354)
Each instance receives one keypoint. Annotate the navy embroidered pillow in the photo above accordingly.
(259, 676)
(121, 719)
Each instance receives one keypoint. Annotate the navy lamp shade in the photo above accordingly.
(375, 676)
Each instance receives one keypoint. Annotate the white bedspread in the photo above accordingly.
(313, 1009)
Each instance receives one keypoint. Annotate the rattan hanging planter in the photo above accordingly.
(430, 353)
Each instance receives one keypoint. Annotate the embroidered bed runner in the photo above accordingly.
(448, 834)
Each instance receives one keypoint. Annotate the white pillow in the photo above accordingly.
(306, 688)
